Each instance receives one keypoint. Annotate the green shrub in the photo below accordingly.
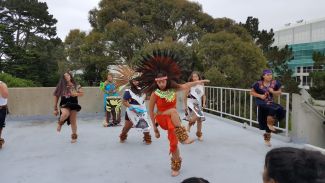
(16, 82)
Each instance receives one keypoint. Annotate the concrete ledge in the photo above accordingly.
(40, 101)
(314, 148)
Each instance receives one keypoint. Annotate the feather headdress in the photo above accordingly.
(159, 65)
(123, 75)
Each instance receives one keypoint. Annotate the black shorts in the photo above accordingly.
(3, 114)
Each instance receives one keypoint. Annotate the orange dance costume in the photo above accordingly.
(160, 74)
(165, 102)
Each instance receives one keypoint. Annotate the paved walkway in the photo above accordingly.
(35, 153)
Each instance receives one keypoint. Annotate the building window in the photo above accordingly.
(298, 79)
(298, 69)
(306, 80)
(307, 69)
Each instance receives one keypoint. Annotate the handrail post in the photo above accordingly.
(221, 100)
(288, 113)
(250, 110)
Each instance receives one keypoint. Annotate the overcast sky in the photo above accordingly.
(72, 14)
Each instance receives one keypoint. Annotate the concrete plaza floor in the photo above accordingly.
(35, 153)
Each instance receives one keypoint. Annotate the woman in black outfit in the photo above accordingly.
(68, 92)
(268, 111)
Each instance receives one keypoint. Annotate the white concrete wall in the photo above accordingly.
(307, 125)
(40, 101)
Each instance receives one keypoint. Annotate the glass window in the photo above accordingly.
(298, 79)
(298, 69)
(309, 69)
(306, 80)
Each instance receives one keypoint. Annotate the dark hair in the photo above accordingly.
(61, 87)
(170, 83)
(292, 165)
(195, 180)
(190, 78)
(134, 88)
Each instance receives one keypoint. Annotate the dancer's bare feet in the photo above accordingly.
(268, 143)
(73, 141)
(175, 173)
(74, 138)
(176, 166)
(188, 141)
(105, 123)
(199, 135)
(2, 141)
(200, 138)
(267, 139)
(58, 129)
(123, 137)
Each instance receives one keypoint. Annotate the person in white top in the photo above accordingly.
(3, 108)
(194, 102)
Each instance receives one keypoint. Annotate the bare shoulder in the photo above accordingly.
(152, 95)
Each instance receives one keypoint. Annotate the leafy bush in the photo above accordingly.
(16, 82)
(317, 91)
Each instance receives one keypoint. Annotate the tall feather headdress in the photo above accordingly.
(159, 62)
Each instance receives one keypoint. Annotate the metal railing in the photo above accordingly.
(239, 105)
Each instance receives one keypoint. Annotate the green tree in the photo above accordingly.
(319, 60)
(87, 53)
(128, 25)
(6, 43)
(278, 60)
(96, 57)
(28, 41)
(233, 58)
(12, 81)
(230, 26)
(318, 76)
(263, 39)
(131, 28)
(216, 77)
(73, 44)
(251, 26)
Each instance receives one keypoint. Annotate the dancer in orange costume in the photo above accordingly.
(159, 76)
